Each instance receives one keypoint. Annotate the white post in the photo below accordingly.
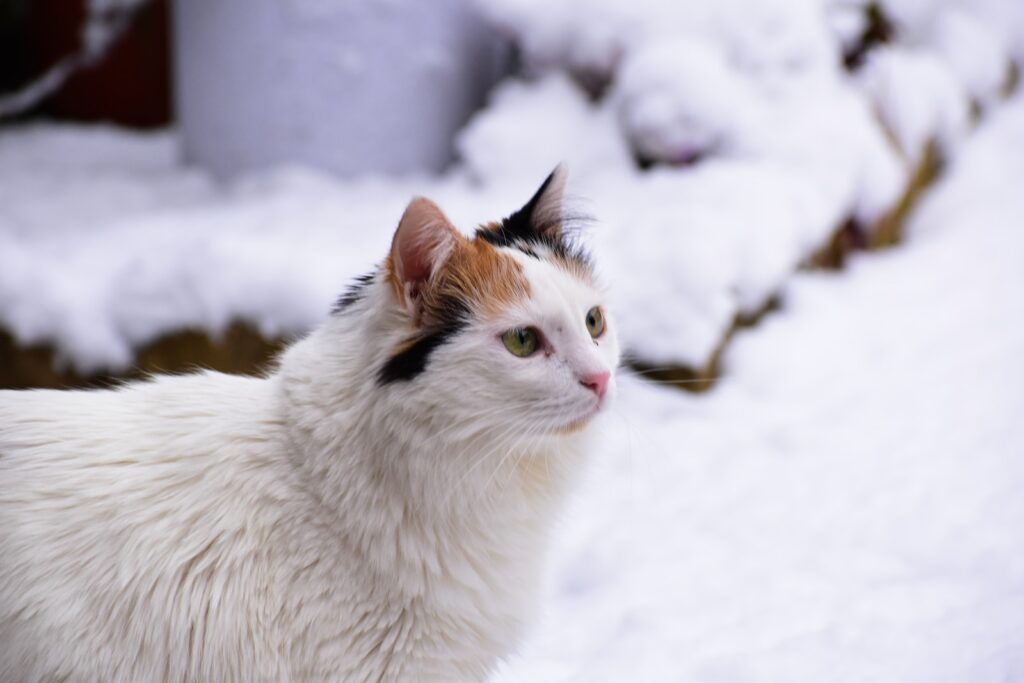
(352, 86)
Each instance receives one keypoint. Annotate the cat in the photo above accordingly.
(374, 509)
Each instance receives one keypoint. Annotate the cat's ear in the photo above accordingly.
(422, 243)
(542, 215)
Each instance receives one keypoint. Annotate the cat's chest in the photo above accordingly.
(448, 617)
(420, 639)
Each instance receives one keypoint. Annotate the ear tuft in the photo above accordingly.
(424, 239)
(542, 215)
(547, 202)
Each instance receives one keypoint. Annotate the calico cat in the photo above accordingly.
(374, 509)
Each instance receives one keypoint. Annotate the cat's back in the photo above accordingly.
(162, 421)
(90, 413)
(142, 497)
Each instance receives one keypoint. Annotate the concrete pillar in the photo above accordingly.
(351, 86)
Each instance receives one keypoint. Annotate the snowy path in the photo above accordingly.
(848, 505)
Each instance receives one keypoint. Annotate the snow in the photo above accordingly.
(592, 35)
(764, 147)
(106, 242)
(767, 145)
(926, 21)
(667, 107)
(976, 53)
(528, 128)
(974, 38)
(918, 98)
(113, 242)
(105, 23)
(845, 505)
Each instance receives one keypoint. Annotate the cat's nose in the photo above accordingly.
(597, 382)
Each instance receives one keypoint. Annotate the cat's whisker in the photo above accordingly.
(636, 364)
(519, 458)
(506, 440)
(494, 447)
(547, 466)
(497, 467)
(501, 441)
(654, 380)
(525, 444)
(473, 418)
(520, 444)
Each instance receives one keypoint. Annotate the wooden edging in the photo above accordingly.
(240, 349)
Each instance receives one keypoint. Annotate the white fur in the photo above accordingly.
(308, 526)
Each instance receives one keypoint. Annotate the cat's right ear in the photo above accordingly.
(422, 243)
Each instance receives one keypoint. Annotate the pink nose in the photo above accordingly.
(597, 382)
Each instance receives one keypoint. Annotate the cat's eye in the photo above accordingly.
(595, 322)
(520, 341)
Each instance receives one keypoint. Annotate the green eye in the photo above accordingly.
(521, 341)
(595, 322)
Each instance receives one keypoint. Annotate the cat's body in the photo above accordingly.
(364, 513)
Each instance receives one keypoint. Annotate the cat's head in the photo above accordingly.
(508, 326)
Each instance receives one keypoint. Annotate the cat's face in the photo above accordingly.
(551, 356)
(508, 327)
(532, 365)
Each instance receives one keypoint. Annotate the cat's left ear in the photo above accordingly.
(542, 215)
(422, 243)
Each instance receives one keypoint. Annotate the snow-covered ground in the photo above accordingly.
(847, 504)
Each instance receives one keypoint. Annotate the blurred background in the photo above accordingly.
(809, 215)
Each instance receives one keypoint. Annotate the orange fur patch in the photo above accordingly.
(477, 274)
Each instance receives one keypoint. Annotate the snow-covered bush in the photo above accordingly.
(719, 146)
(762, 143)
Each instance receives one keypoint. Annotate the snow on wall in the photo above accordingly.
(762, 145)
(765, 149)
(106, 242)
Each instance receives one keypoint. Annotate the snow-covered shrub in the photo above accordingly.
(763, 143)
(720, 145)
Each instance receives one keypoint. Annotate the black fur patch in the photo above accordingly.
(412, 361)
(354, 292)
(512, 234)
(523, 231)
